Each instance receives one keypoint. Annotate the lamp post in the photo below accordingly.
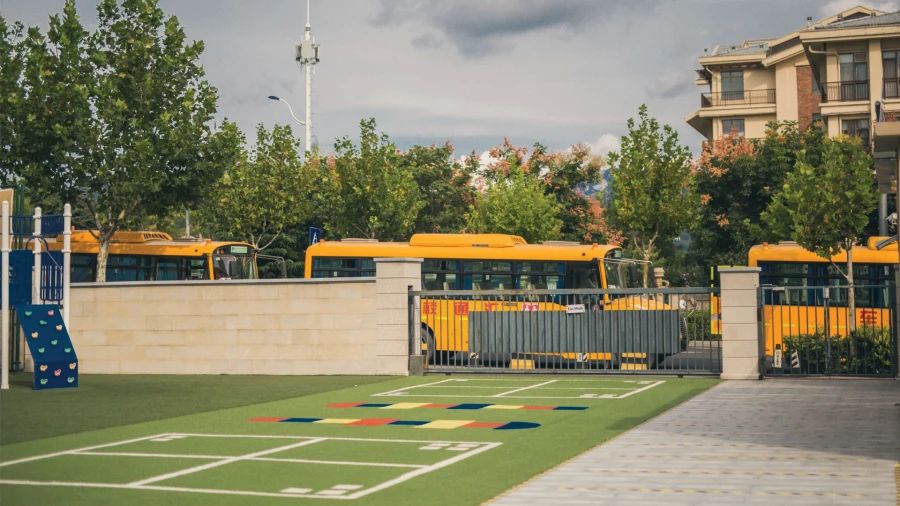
(290, 109)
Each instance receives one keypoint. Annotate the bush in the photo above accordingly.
(698, 323)
(818, 356)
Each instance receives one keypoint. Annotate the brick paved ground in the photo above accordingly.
(785, 442)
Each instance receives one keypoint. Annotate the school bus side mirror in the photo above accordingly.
(633, 272)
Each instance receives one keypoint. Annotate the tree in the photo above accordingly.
(366, 191)
(263, 193)
(120, 117)
(445, 188)
(736, 179)
(651, 185)
(516, 204)
(825, 204)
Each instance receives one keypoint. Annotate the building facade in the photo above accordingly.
(842, 72)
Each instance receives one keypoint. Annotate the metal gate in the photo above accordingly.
(566, 331)
(810, 331)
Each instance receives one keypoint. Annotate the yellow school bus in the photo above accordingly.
(801, 308)
(155, 256)
(479, 262)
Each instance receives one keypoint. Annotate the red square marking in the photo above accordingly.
(266, 419)
(441, 406)
(539, 408)
(372, 422)
(485, 425)
(344, 405)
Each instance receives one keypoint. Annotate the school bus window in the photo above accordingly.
(440, 275)
(484, 266)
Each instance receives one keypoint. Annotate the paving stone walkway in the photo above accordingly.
(773, 442)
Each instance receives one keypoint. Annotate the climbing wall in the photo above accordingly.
(55, 362)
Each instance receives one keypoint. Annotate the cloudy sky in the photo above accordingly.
(471, 71)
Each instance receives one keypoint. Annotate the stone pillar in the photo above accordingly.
(394, 278)
(740, 329)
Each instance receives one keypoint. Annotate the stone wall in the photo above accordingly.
(295, 326)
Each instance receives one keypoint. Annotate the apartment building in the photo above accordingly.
(842, 71)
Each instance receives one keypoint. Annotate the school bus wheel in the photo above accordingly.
(427, 343)
(684, 333)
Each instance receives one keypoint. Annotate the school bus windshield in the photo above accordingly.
(234, 262)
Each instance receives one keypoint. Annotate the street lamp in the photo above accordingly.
(273, 97)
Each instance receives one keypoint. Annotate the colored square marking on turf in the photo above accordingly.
(439, 406)
(300, 420)
(372, 405)
(539, 408)
(485, 425)
(470, 406)
(344, 405)
(570, 408)
(503, 406)
(266, 419)
(405, 405)
(372, 422)
(446, 424)
(413, 423)
(342, 421)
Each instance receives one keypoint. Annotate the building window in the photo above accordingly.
(854, 77)
(891, 74)
(858, 128)
(733, 85)
(735, 126)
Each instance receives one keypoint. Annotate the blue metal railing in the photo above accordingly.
(23, 225)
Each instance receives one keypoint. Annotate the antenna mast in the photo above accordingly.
(306, 54)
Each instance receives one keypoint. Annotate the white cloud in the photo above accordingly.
(604, 144)
(836, 6)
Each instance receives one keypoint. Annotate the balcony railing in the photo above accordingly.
(846, 91)
(747, 97)
(891, 87)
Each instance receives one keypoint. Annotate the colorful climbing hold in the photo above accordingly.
(27, 313)
(43, 368)
(44, 381)
(50, 313)
(53, 342)
(67, 350)
(70, 380)
(34, 335)
(57, 372)
(42, 322)
(72, 365)
(40, 350)
(59, 327)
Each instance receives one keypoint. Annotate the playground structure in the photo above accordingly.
(35, 282)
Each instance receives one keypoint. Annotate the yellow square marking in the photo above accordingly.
(445, 424)
(405, 405)
(338, 420)
(502, 406)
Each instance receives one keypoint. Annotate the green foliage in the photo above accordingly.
(653, 198)
(736, 179)
(366, 191)
(516, 204)
(699, 325)
(445, 188)
(264, 192)
(872, 353)
(117, 120)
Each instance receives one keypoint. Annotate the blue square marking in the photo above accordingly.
(570, 408)
(413, 423)
(301, 420)
(373, 405)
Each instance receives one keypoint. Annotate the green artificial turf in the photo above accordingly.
(102, 401)
(479, 470)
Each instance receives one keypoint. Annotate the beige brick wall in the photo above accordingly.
(293, 326)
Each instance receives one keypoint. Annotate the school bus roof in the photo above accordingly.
(472, 246)
(792, 252)
(127, 242)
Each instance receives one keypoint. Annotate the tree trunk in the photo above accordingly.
(101, 259)
(648, 254)
(851, 304)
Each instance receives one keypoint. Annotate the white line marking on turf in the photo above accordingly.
(347, 487)
(394, 392)
(641, 389)
(525, 388)
(429, 441)
(419, 472)
(211, 465)
(68, 452)
(331, 492)
(337, 462)
(296, 491)
(158, 487)
(161, 455)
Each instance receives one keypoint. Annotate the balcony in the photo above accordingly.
(731, 98)
(846, 91)
(891, 87)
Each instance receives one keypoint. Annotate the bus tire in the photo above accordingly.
(684, 333)
(428, 342)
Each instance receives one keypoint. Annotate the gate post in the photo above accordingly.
(740, 328)
(394, 278)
